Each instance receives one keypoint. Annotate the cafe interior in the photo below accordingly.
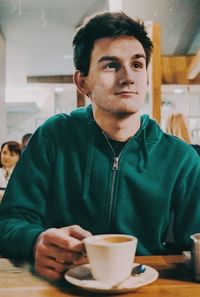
(36, 82)
(37, 60)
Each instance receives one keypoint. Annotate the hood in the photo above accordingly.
(148, 136)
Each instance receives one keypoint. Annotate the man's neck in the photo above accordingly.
(118, 127)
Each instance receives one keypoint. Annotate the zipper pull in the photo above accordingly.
(115, 163)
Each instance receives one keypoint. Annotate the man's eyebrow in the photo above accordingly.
(138, 56)
(114, 58)
(107, 58)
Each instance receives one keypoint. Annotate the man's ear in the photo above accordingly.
(80, 82)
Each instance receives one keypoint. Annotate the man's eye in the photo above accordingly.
(137, 65)
(112, 65)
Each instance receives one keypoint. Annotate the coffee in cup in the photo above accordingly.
(111, 256)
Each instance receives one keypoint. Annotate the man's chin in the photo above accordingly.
(127, 110)
(124, 114)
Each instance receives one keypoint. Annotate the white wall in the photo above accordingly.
(2, 90)
(187, 102)
(65, 101)
(22, 120)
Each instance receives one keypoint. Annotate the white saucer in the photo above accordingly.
(81, 276)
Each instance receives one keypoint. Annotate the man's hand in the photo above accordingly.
(57, 249)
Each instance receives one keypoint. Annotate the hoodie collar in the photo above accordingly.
(148, 136)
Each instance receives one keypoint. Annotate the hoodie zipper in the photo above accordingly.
(115, 167)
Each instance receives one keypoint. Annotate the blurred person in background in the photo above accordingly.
(177, 125)
(25, 140)
(9, 155)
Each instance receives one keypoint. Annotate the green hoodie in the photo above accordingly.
(66, 176)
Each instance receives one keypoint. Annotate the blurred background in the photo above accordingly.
(36, 64)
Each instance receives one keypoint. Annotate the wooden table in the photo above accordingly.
(18, 279)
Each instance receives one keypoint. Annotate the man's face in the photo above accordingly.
(117, 78)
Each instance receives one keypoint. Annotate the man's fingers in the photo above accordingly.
(57, 249)
(56, 264)
(49, 272)
(78, 232)
(63, 255)
(68, 238)
(64, 242)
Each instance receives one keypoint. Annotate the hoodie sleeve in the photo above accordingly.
(23, 206)
(187, 203)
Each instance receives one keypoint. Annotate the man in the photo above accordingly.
(101, 169)
(25, 139)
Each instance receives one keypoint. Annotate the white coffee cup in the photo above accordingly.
(111, 256)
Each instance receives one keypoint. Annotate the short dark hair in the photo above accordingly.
(26, 137)
(13, 146)
(104, 25)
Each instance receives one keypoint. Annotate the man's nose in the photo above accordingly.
(126, 76)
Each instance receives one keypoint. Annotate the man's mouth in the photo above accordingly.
(126, 93)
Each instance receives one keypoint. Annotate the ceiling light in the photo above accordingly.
(58, 90)
(178, 91)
